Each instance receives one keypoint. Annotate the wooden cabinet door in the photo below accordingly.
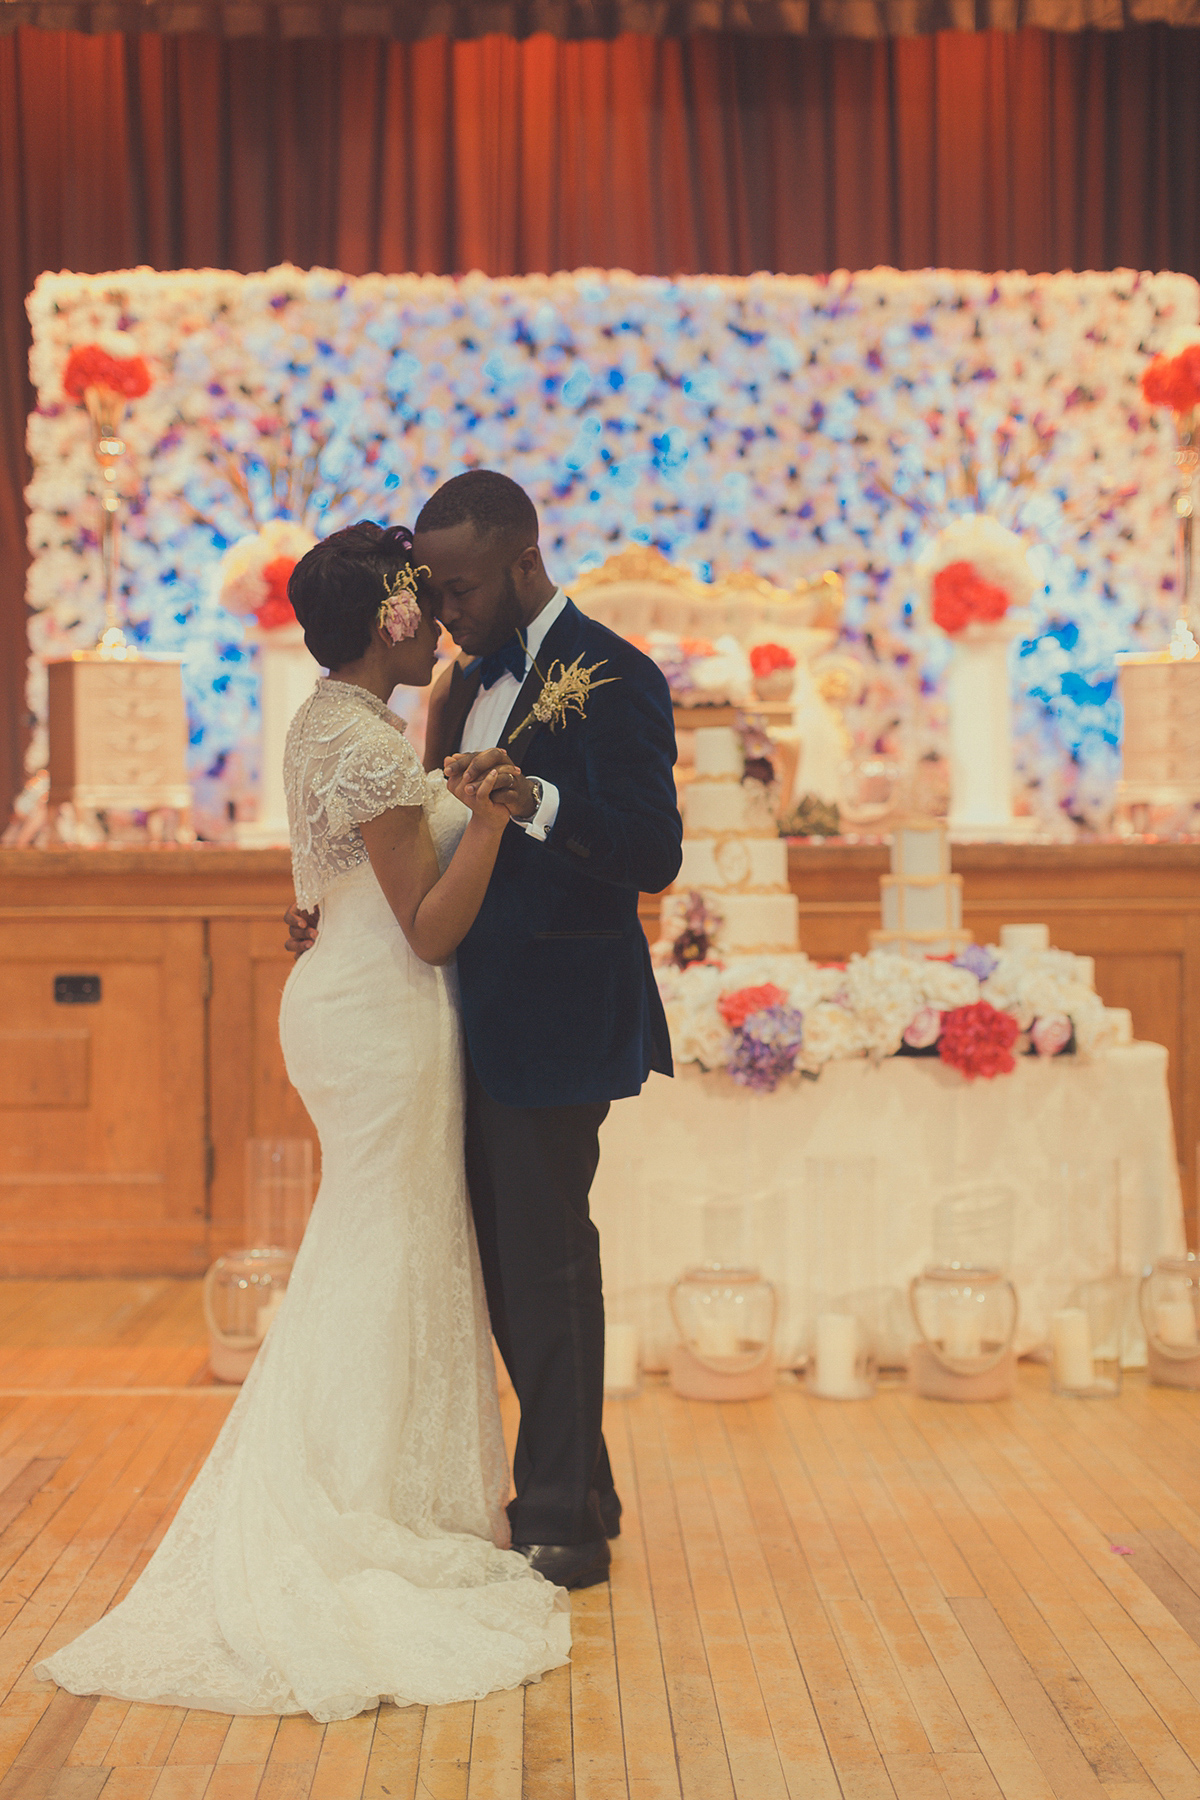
(251, 1096)
(102, 1097)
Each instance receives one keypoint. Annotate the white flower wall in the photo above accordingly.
(788, 424)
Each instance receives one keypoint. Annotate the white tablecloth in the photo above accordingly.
(829, 1186)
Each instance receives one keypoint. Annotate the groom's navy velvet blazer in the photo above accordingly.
(559, 1000)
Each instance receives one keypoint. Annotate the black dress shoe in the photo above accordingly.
(569, 1565)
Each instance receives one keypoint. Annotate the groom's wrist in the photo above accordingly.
(539, 822)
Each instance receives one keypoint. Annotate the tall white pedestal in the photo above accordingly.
(981, 736)
(286, 676)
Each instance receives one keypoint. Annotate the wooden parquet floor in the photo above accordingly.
(894, 1600)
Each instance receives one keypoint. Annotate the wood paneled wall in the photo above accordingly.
(123, 1121)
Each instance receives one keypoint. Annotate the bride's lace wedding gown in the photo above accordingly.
(341, 1545)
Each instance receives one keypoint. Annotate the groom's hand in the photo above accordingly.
(302, 928)
(511, 790)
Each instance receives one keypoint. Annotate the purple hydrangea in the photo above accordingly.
(766, 1048)
(978, 959)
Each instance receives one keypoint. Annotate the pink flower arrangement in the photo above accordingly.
(253, 574)
(91, 366)
(736, 1007)
(276, 609)
(978, 1040)
(1173, 381)
(1051, 1035)
(962, 597)
(925, 1028)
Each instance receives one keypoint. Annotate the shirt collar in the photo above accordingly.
(535, 634)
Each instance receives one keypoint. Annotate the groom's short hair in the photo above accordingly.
(495, 505)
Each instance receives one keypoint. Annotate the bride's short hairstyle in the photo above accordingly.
(337, 588)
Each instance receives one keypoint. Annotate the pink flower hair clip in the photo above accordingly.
(399, 614)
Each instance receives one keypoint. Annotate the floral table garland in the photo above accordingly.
(763, 1018)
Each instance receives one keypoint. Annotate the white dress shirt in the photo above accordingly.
(491, 707)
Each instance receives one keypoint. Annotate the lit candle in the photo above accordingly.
(1175, 1324)
(717, 1335)
(620, 1359)
(267, 1312)
(962, 1332)
(836, 1356)
(1071, 1344)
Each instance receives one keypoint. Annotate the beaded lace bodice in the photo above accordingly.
(346, 761)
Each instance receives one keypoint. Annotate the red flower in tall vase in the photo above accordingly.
(91, 366)
(962, 597)
(1173, 381)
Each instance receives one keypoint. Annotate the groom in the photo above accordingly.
(560, 1009)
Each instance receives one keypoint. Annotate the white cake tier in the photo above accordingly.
(921, 847)
(718, 808)
(756, 864)
(910, 905)
(752, 922)
(1025, 937)
(718, 754)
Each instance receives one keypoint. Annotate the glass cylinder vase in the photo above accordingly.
(1169, 1298)
(726, 1320)
(242, 1295)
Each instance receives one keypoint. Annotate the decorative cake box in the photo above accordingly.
(1160, 747)
(118, 734)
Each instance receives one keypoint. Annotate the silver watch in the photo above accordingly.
(536, 785)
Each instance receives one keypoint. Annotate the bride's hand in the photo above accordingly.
(478, 795)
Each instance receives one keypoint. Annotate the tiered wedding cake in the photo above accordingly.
(921, 900)
(733, 855)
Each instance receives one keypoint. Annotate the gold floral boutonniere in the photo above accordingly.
(565, 690)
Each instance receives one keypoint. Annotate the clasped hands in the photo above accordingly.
(465, 775)
(466, 771)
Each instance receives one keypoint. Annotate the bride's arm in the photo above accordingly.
(435, 912)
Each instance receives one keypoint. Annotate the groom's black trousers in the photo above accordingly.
(529, 1170)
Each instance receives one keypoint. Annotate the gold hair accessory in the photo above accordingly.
(566, 692)
(399, 614)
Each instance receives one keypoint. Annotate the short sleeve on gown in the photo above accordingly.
(377, 770)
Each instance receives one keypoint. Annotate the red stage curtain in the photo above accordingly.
(722, 154)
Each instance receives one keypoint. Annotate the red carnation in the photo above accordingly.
(91, 367)
(766, 658)
(978, 1040)
(962, 597)
(276, 609)
(1173, 381)
(737, 1006)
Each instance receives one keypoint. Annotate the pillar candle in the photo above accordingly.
(717, 1334)
(1071, 1343)
(620, 1358)
(1175, 1323)
(962, 1330)
(836, 1355)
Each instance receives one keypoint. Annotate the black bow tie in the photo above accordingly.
(508, 659)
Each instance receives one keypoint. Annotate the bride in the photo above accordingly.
(346, 1540)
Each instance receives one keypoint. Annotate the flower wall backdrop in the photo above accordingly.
(788, 424)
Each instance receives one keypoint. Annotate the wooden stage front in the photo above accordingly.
(883, 1600)
(126, 1106)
